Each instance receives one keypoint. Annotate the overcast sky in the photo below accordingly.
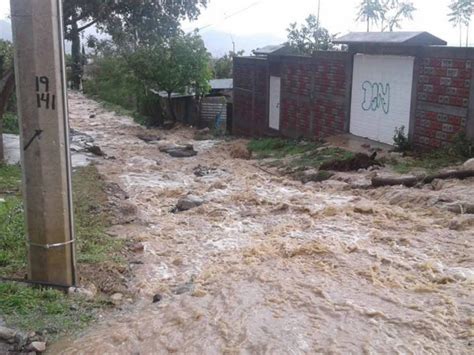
(253, 17)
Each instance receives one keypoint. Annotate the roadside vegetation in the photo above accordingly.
(431, 161)
(299, 159)
(49, 311)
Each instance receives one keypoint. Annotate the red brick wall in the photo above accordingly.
(315, 100)
(315, 97)
(443, 91)
(250, 96)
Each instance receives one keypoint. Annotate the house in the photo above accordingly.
(382, 82)
(215, 108)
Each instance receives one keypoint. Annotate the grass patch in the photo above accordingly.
(40, 309)
(12, 237)
(279, 148)
(91, 219)
(10, 123)
(35, 309)
(314, 159)
(432, 162)
(10, 179)
(297, 158)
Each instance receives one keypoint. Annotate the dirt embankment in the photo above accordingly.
(265, 264)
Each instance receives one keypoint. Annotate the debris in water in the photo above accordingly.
(201, 171)
(357, 162)
(148, 138)
(186, 151)
(157, 298)
(187, 203)
(240, 151)
(96, 150)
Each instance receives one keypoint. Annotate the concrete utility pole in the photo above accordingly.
(42, 107)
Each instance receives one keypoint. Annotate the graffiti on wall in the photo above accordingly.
(376, 96)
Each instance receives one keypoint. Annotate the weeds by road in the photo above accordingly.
(37, 309)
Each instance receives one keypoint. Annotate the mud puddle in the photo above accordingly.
(270, 266)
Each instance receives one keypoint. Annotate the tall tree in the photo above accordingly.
(371, 12)
(394, 12)
(460, 15)
(309, 37)
(140, 20)
(223, 66)
(180, 64)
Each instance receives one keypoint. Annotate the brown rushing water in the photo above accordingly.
(273, 266)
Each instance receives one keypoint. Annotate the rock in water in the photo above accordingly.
(176, 151)
(469, 165)
(116, 298)
(148, 138)
(188, 202)
(364, 208)
(96, 150)
(157, 298)
(37, 346)
(7, 334)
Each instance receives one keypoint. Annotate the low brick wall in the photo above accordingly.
(250, 96)
(314, 92)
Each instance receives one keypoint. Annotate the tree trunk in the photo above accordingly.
(467, 35)
(413, 181)
(76, 57)
(7, 84)
(171, 108)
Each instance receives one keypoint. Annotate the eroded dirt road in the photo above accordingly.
(270, 266)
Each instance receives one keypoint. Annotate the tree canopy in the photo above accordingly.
(388, 13)
(460, 15)
(129, 22)
(181, 64)
(223, 66)
(309, 37)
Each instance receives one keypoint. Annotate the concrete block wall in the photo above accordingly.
(444, 96)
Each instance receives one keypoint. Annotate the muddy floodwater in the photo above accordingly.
(268, 265)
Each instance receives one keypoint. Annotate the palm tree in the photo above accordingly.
(395, 11)
(370, 11)
(461, 15)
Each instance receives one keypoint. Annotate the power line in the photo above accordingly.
(238, 12)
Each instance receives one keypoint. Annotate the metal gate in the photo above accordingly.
(381, 96)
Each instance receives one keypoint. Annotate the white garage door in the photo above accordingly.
(381, 96)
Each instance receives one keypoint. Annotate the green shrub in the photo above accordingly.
(10, 123)
(401, 141)
(111, 80)
(463, 146)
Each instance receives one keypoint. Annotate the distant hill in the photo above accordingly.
(219, 43)
(5, 30)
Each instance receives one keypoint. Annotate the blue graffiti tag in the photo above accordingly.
(376, 96)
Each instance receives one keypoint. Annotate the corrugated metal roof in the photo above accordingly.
(274, 49)
(222, 84)
(397, 38)
(174, 95)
